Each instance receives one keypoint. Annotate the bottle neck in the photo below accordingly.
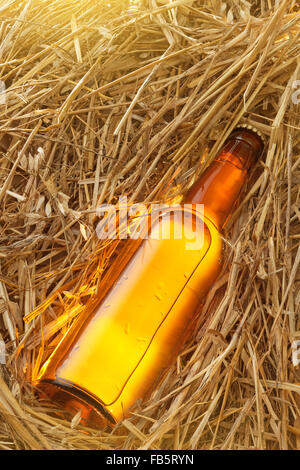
(221, 183)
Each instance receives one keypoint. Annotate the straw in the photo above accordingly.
(135, 98)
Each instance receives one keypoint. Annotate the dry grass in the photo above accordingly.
(127, 99)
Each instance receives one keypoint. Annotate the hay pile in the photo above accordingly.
(111, 98)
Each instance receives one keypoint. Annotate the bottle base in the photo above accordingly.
(74, 399)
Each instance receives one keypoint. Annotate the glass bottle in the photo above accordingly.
(117, 350)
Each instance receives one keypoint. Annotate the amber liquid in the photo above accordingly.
(115, 353)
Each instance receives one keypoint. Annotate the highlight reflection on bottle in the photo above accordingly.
(118, 348)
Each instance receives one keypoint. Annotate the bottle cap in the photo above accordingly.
(253, 129)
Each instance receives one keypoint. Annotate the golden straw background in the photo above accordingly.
(107, 99)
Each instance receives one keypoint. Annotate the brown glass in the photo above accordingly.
(116, 352)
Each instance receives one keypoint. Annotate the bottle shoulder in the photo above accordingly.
(193, 223)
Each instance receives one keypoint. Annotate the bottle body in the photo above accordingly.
(124, 344)
(116, 351)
